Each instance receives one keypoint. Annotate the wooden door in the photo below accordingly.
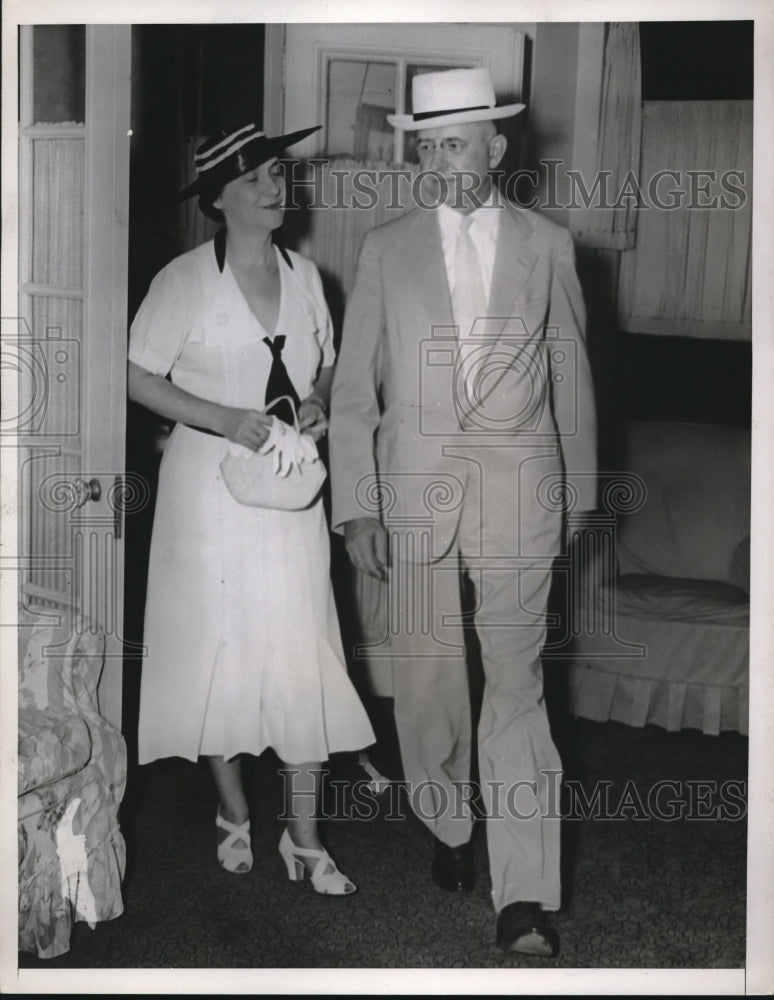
(71, 331)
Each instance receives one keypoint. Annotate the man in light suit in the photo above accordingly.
(462, 414)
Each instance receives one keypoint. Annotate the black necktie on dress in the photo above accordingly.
(279, 384)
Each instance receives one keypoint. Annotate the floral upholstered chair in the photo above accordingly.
(71, 778)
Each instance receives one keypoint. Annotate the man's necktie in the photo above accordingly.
(469, 302)
(469, 298)
(279, 384)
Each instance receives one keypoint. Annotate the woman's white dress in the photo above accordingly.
(243, 643)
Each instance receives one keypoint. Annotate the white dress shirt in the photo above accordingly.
(483, 231)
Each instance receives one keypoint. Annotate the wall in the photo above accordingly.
(551, 112)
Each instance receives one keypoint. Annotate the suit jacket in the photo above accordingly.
(412, 442)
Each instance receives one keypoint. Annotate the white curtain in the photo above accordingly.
(689, 274)
(57, 212)
(352, 196)
(618, 146)
(53, 302)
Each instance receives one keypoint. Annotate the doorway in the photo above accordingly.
(188, 81)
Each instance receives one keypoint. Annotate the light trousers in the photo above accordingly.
(519, 767)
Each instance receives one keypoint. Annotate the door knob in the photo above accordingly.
(86, 491)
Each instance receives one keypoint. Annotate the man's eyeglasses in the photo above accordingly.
(450, 145)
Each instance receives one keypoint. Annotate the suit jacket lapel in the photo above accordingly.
(422, 257)
(515, 259)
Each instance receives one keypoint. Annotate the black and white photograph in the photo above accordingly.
(385, 450)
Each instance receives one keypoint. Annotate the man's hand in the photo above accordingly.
(311, 417)
(366, 542)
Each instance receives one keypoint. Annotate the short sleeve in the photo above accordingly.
(323, 323)
(160, 327)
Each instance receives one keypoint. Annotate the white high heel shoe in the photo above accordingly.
(238, 860)
(326, 878)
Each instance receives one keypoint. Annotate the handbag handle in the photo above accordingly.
(292, 407)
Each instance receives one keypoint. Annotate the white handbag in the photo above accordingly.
(286, 473)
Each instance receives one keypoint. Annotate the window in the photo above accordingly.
(361, 92)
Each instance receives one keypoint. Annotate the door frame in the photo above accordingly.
(108, 134)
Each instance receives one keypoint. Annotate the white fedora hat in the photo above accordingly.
(453, 97)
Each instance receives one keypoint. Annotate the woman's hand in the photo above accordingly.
(246, 427)
(311, 417)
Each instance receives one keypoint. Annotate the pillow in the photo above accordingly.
(696, 480)
(681, 599)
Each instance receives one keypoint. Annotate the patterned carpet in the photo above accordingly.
(639, 890)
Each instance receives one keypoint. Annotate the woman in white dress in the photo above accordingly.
(244, 650)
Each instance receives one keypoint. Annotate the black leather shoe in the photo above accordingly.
(523, 928)
(453, 868)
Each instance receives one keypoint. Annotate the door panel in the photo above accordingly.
(73, 234)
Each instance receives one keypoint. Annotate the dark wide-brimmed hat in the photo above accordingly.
(227, 155)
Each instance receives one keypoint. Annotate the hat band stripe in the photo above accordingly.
(204, 154)
(215, 160)
(422, 115)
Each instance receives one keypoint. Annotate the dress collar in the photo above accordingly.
(219, 243)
